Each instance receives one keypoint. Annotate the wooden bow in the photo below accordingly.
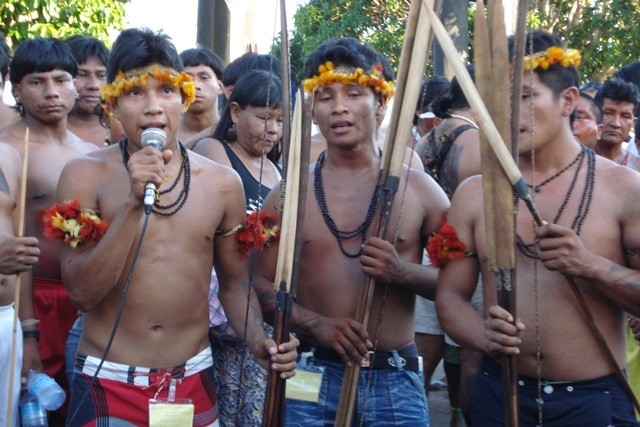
(493, 83)
(415, 51)
(16, 302)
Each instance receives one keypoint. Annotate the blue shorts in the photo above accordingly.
(599, 402)
(386, 397)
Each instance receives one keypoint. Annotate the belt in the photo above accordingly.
(407, 357)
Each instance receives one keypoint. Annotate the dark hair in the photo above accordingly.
(250, 61)
(5, 57)
(455, 99)
(39, 55)
(347, 52)
(630, 73)
(139, 47)
(256, 88)
(556, 77)
(85, 47)
(593, 106)
(201, 56)
(619, 90)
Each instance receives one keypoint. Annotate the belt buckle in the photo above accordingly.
(392, 362)
(366, 361)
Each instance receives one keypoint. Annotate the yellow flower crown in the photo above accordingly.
(373, 78)
(553, 55)
(124, 82)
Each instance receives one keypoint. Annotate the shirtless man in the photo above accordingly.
(42, 72)
(591, 207)
(17, 254)
(164, 325)
(8, 115)
(619, 101)
(91, 55)
(333, 268)
(200, 120)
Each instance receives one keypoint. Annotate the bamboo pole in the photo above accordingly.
(22, 199)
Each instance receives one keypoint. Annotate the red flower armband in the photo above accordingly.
(260, 229)
(73, 225)
(445, 246)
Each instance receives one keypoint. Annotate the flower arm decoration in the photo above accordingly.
(444, 246)
(72, 224)
(260, 229)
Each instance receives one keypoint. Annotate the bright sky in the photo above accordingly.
(260, 18)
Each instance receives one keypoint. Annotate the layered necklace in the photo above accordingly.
(184, 169)
(361, 230)
(527, 249)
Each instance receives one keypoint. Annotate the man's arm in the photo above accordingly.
(86, 284)
(499, 332)
(234, 292)
(562, 250)
(380, 259)
(346, 336)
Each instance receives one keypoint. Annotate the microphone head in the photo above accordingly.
(154, 137)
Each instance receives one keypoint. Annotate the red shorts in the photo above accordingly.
(121, 393)
(53, 308)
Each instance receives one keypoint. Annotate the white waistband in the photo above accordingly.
(139, 375)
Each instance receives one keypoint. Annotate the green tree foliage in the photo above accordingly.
(21, 19)
(378, 22)
(605, 31)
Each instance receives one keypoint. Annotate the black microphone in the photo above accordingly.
(156, 138)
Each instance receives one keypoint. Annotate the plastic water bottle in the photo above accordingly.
(44, 388)
(32, 414)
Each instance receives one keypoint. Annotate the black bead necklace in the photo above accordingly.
(185, 168)
(583, 208)
(361, 230)
(538, 187)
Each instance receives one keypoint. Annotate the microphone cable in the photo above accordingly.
(123, 299)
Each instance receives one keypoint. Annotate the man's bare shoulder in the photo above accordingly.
(78, 144)
(221, 174)
(469, 193)
(212, 149)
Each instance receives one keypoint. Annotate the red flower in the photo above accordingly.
(445, 246)
(260, 229)
(68, 222)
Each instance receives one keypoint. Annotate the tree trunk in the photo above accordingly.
(454, 16)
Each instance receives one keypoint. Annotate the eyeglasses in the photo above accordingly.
(589, 85)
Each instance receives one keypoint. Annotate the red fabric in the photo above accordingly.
(114, 400)
(53, 308)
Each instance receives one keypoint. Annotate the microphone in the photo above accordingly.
(156, 138)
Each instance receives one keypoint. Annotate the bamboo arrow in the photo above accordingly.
(16, 302)
(410, 71)
(289, 253)
(492, 81)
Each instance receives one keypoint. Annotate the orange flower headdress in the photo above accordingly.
(372, 78)
(554, 55)
(68, 222)
(124, 82)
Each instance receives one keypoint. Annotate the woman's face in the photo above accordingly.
(258, 129)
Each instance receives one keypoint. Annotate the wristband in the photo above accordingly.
(29, 322)
(31, 334)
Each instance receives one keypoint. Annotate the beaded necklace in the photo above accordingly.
(583, 208)
(185, 168)
(538, 187)
(318, 187)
